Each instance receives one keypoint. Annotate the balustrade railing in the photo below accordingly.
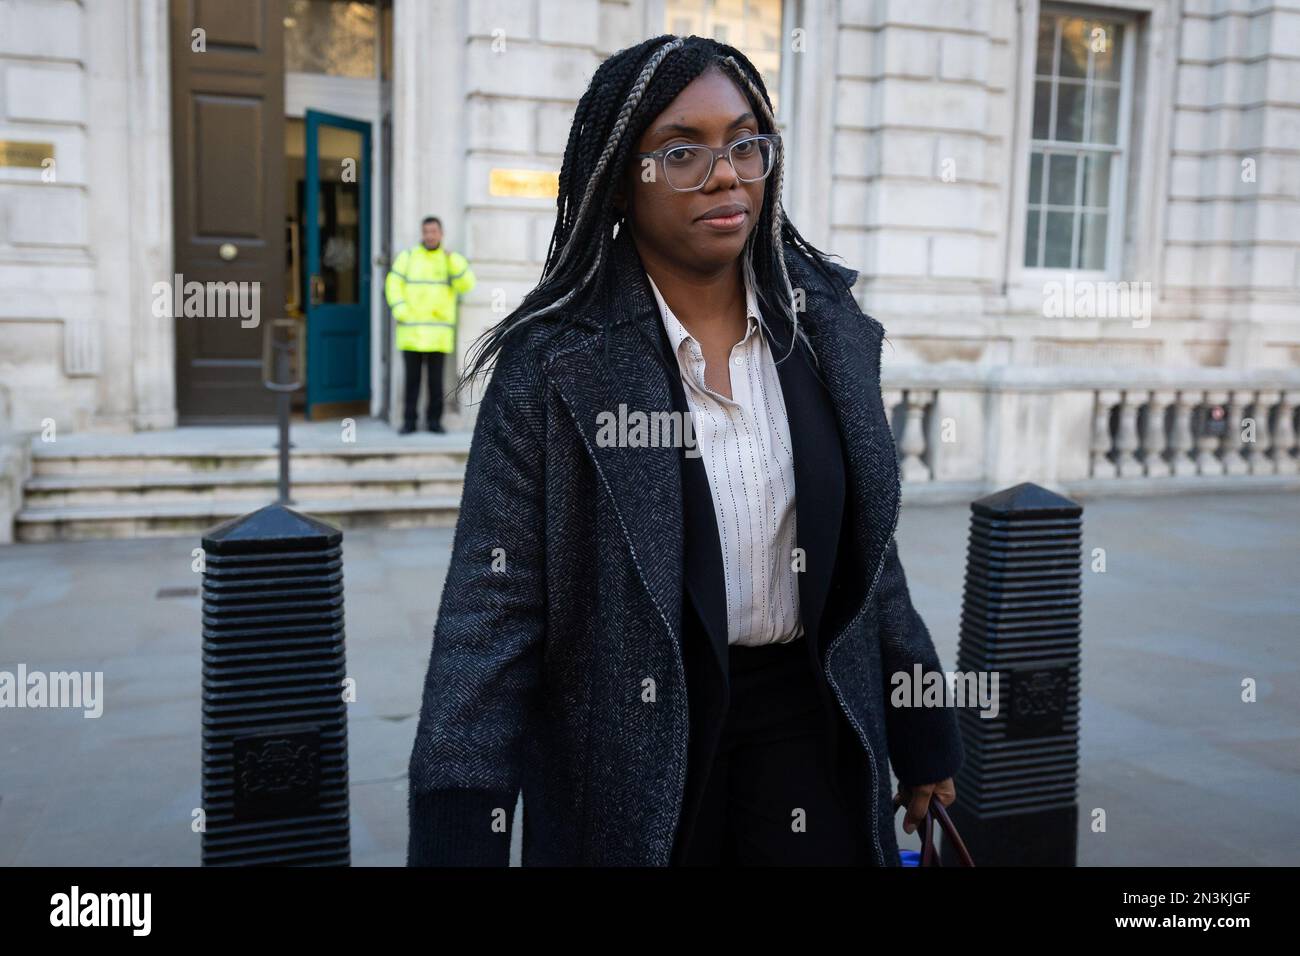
(1157, 433)
(1071, 430)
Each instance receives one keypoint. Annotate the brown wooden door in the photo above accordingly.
(228, 188)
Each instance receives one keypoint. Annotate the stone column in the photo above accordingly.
(429, 87)
(1102, 466)
(1180, 440)
(1284, 462)
(891, 398)
(913, 444)
(1230, 448)
(1207, 462)
(1261, 459)
(149, 184)
(1126, 441)
(1154, 442)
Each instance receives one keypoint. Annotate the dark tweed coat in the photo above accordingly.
(584, 595)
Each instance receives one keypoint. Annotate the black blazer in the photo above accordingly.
(584, 604)
(819, 464)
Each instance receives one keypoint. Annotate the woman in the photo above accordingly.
(677, 640)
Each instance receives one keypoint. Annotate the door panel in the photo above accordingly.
(228, 181)
(227, 139)
(231, 25)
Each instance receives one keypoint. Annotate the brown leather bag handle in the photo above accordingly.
(929, 849)
(950, 830)
(929, 853)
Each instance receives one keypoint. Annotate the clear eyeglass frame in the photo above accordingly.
(774, 139)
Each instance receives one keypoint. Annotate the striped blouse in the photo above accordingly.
(744, 442)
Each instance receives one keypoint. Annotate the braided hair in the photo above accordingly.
(628, 90)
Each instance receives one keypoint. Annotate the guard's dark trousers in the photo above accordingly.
(416, 362)
(770, 799)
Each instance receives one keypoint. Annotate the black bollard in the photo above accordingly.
(275, 767)
(1017, 790)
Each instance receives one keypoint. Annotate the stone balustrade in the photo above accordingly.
(963, 431)
(1162, 432)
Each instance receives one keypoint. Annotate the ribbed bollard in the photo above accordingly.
(275, 767)
(1017, 790)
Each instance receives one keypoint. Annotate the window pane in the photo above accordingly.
(335, 37)
(1104, 127)
(752, 26)
(1106, 39)
(1042, 110)
(1060, 180)
(1074, 47)
(1096, 180)
(338, 213)
(1035, 177)
(1060, 235)
(1092, 240)
(1070, 100)
(1046, 40)
(1031, 239)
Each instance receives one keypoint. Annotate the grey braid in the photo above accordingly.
(778, 211)
(634, 98)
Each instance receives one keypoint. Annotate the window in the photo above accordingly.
(334, 37)
(1077, 153)
(751, 26)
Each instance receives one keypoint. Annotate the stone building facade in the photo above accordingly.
(1080, 224)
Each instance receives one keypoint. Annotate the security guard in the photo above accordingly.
(421, 289)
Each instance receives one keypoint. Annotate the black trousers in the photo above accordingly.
(416, 362)
(770, 798)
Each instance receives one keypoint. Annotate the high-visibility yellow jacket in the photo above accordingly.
(421, 289)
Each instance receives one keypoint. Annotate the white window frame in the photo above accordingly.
(1118, 197)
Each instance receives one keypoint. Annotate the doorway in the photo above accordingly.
(274, 189)
(328, 216)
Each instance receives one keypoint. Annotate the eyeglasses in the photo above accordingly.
(688, 166)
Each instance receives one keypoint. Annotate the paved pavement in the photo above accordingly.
(1199, 593)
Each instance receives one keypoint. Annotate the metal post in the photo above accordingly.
(1017, 790)
(275, 760)
(282, 413)
(281, 377)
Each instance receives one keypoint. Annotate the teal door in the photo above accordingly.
(336, 210)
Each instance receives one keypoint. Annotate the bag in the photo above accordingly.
(929, 852)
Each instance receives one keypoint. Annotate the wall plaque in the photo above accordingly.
(528, 183)
(24, 155)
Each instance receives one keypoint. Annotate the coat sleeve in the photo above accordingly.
(924, 742)
(461, 276)
(395, 287)
(485, 665)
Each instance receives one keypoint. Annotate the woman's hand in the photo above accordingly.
(917, 800)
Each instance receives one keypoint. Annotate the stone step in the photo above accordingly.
(446, 455)
(250, 485)
(194, 518)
